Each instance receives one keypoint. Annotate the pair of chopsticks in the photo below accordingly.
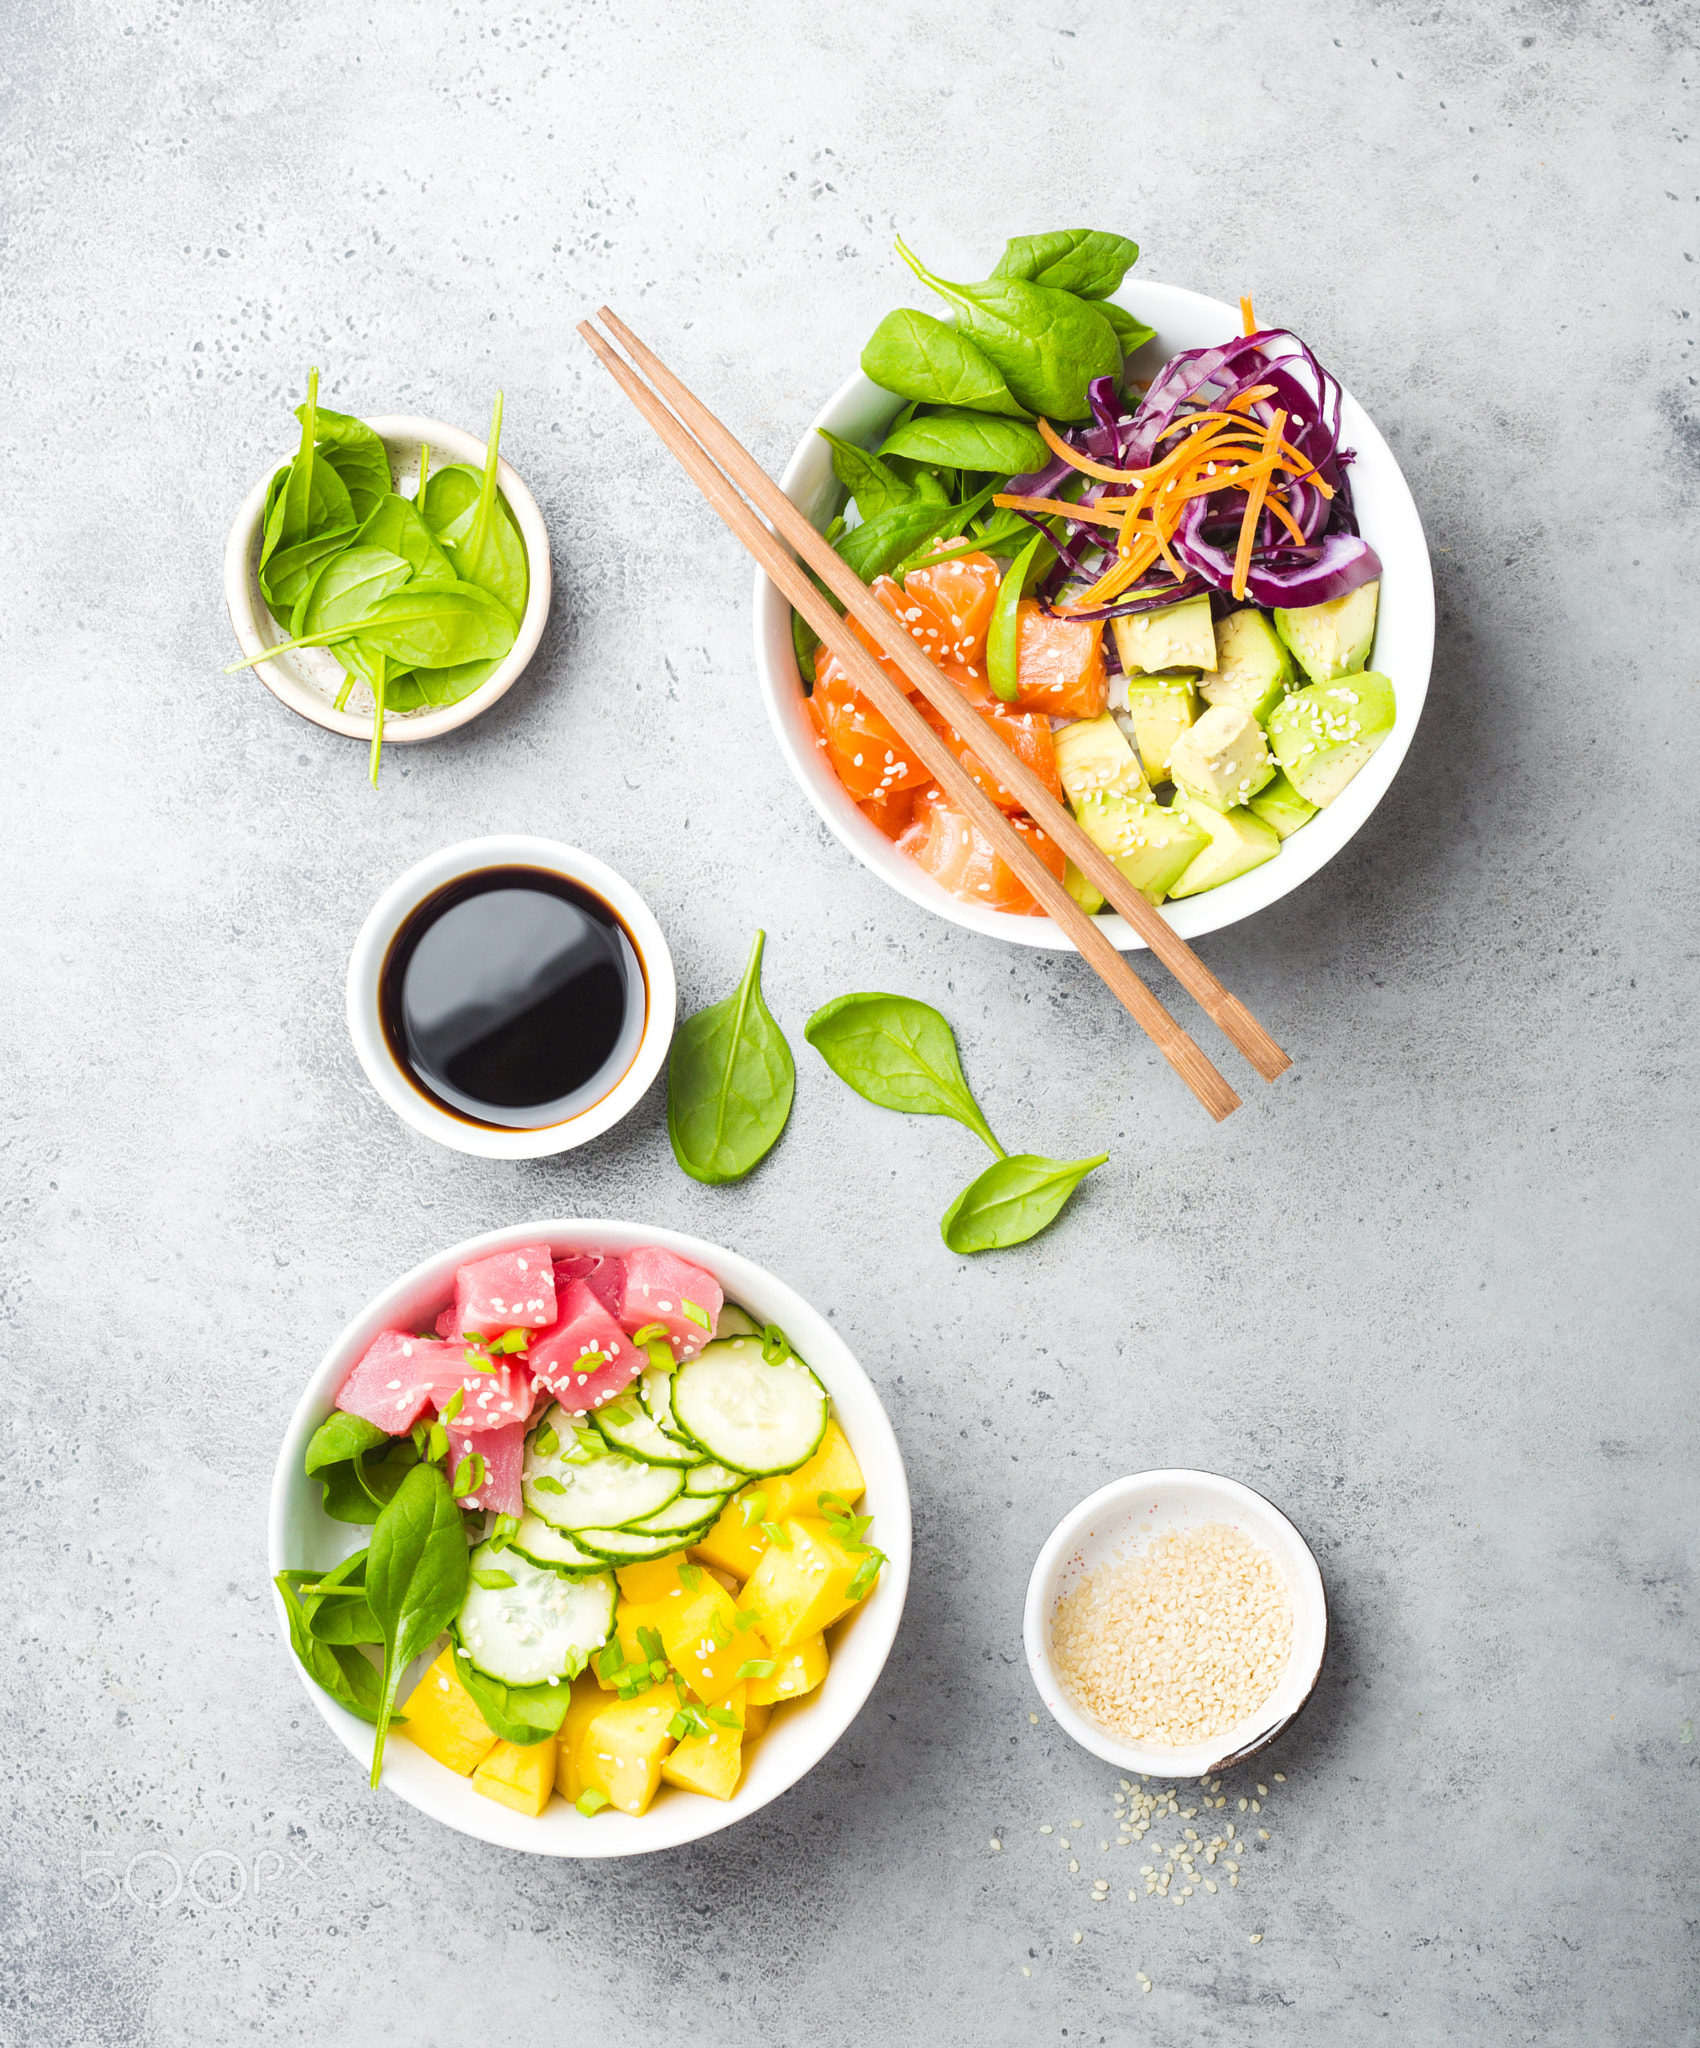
(728, 475)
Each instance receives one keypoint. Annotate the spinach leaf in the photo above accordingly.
(1048, 344)
(338, 1617)
(336, 1668)
(341, 1436)
(898, 1053)
(356, 1489)
(525, 1714)
(932, 363)
(310, 510)
(287, 577)
(967, 440)
(438, 626)
(447, 493)
(416, 1574)
(1131, 333)
(730, 1079)
(356, 454)
(486, 544)
(1085, 261)
(347, 587)
(394, 523)
(877, 546)
(1012, 1201)
(1003, 630)
(874, 487)
(414, 689)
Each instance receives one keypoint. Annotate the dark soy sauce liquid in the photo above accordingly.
(513, 998)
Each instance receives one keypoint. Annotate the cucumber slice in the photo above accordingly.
(626, 1546)
(683, 1518)
(536, 1540)
(570, 1490)
(542, 1626)
(736, 1322)
(638, 1424)
(712, 1478)
(757, 1418)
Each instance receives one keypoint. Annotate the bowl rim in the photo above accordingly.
(858, 1659)
(1246, 1738)
(448, 864)
(1302, 854)
(254, 622)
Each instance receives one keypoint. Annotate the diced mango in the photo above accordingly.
(703, 1643)
(732, 1545)
(653, 1579)
(587, 1702)
(520, 1777)
(629, 1617)
(797, 1668)
(443, 1718)
(756, 1717)
(832, 1469)
(711, 1763)
(623, 1749)
(802, 1585)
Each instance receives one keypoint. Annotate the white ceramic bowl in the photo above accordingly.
(1404, 648)
(470, 857)
(310, 679)
(300, 1534)
(1117, 1521)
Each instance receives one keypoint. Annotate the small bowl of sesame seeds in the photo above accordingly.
(1176, 1623)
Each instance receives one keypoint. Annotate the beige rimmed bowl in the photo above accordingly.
(1115, 1524)
(309, 679)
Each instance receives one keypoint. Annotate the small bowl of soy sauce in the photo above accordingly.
(511, 997)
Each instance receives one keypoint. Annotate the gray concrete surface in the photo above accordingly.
(1434, 1294)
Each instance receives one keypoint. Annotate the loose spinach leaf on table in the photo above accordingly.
(898, 1053)
(730, 1080)
(337, 1668)
(875, 487)
(1012, 1201)
(416, 1576)
(1003, 631)
(354, 451)
(525, 1714)
(968, 440)
(932, 363)
(1048, 344)
(1086, 261)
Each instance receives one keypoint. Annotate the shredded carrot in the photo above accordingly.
(1105, 513)
(1274, 504)
(1248, 319)
(1254, 506)
(1075, 460)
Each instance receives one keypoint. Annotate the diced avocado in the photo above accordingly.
(1153, 846)
(1280, 805)
(1093, 757)
(1332, 639)
(1254, 671)
(1081, 890)
(1172, 636)
(1222, 760)
(1161, 709)
(1324, 734)
(1238, 841)
(522, 1777)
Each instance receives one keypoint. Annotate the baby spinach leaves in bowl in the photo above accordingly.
(335, 540)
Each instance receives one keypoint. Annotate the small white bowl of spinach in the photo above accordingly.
(381, 557)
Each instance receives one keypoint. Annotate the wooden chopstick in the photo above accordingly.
(928, 746)
(1230, 1015)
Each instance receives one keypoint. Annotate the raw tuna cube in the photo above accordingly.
(507, 1291)
(490, 1400)
(395, 1379)
(503, 1452)
(558, 1359)
(604, 1275)
(663, 1288)
(446, 1324)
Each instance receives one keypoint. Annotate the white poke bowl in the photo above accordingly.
(860, 411)
(309, 679)
(1114, 1523)
(301, 1534)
